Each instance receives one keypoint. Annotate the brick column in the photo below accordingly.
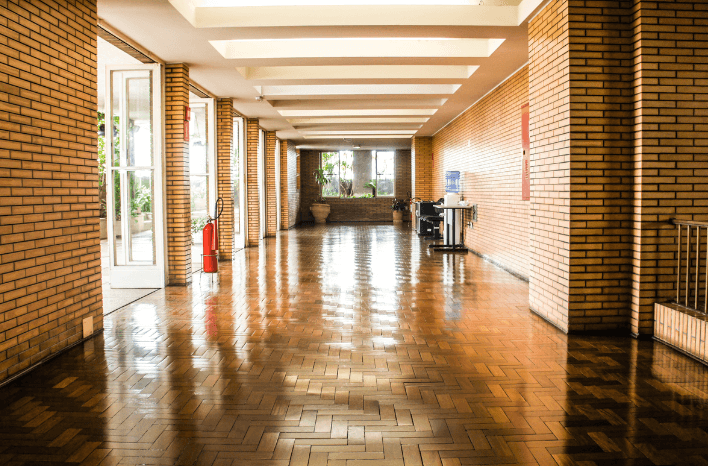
(271, 201)
(224, 174)
(284, 186)
(177, 200)
(422, 167)
(49, 229)
(251, 174)
(294, 178)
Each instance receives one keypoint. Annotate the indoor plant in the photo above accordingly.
(398, 206)
(320, 209)
(371, 185)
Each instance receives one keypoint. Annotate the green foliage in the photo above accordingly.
(198, 224)
(142, 200)
(370, 184)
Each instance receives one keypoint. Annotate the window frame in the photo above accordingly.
(338, 173)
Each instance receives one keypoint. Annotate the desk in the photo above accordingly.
(449, 238)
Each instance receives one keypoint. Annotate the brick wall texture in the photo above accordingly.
(618, 137)
(224, 174)
(352, 210)
(178, 207)
(271, 194)
(484, 145)
(284, 191)
(670, 71)
(252, 202)
(422, 167)
(49, 232)
(293, 191)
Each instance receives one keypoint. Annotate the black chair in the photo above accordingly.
(433, 220)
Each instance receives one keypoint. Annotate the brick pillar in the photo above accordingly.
(670, 145)
(177, 200)
(224, 174)
(251, 174)
(582, 138)
(271, 201)
(49, 228)
(284, 186)
(422, 167)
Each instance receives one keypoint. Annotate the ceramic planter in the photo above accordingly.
(320, 212)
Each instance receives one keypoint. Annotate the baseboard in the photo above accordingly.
(498, 264)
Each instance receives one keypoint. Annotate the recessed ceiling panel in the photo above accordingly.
(373, 72)
(357, 47)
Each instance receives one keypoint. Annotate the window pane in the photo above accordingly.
(235, 170)
(141, 232)
(346, 173)
(330, 164)
(198, 189)
(198, 140)
(139, 119)
(363, 173)
(385, 170)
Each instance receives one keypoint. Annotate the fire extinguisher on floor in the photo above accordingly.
(210, 238)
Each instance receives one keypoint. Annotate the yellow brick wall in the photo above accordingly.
(50, 254)
(224, 174)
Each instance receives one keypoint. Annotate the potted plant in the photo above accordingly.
(371, 185)
(398, 206)
(320, 209)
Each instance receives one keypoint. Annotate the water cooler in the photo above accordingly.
(452, 199)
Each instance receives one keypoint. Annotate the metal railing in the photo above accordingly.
(691, 289)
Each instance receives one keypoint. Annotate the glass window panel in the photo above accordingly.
(139, 120)
(236, 170)
(115, 117)
(385, 170)
(119, 257)
(362, 162)
(330, 164)
(346, 174)
(198, 142)
(200, 196)
(142, 226)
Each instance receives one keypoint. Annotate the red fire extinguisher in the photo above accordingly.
(210, 238)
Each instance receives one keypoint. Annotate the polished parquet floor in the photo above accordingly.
(353, 346)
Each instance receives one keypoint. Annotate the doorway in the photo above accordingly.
(202, 170)
(130, 184)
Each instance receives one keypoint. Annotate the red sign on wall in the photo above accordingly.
(525, 161)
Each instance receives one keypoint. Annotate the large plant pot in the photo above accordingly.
(320, 212)
(397, 216)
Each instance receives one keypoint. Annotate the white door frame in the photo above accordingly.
(134, 275)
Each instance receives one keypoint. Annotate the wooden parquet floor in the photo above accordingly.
(353, 346)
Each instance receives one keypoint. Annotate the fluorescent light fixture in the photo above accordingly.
(372, 72)
(360, 89)
(356, 47)
(358, 112)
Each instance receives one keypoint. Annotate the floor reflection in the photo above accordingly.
(353, 346)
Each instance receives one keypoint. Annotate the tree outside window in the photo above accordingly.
(358, 174)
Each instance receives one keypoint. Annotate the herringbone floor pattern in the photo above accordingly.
(353, 346)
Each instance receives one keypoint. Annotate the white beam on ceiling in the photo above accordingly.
(374, 72)
(347, 15)
(357, 112)
(358, 47)
(359, 89)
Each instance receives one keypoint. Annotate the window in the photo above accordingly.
(358, 174)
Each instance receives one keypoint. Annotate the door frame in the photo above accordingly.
(127, 276)
(278, 188)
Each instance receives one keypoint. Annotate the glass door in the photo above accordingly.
(202, 165)
(134, 175)
(238, 165)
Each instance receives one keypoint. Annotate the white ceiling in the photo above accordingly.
(333, 73)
